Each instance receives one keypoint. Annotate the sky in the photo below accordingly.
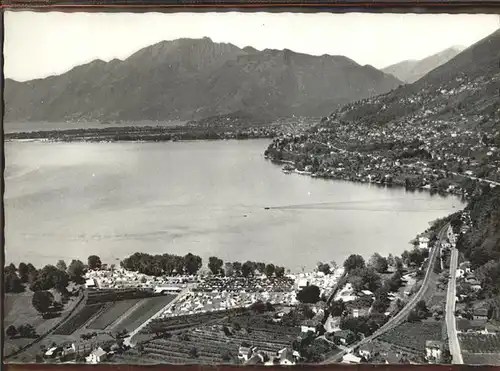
(42, 44)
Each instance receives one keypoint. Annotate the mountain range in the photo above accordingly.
(189, 79)
(412, 70)
(463, 91)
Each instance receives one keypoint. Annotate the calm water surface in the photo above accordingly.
(70, 200)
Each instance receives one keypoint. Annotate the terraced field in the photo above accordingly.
(180, 322)
(412, 336)
(481, 358)
(213, 346)
(79, 319)
(479, 343)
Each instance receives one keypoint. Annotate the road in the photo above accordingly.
(128, 340)
(451, 324)
(401, 316)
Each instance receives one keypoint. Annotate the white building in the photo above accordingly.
(90, 283)
(433, 350)
(351, 358)
(96, 356)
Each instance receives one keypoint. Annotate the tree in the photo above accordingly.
(413, 316)
(398, 263)
(12, 283)
(192, 263)
(354, 261)
(247, 269)
(279, 271)
(309, 294)
(76, 270)
(23, 272)
(356, 283)
(261, 267)
(379, 263)
(395, 282)
(421, 309)
(42, 301)
(364, 279)
(11, 331)
(446, 357)
(61, 265)
(417, 256)
(381, 302)
(94, 262)
(50, 278)
(337, 308)
(237, 268)
(270, 268)
(228, 269)
(11, 268)
(324, 267)
(391, 261)
(215, 264)
(26, 331)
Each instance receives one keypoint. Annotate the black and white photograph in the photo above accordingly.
(251, 188)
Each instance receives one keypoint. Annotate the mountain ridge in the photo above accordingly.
(412, 70)
(192, 79)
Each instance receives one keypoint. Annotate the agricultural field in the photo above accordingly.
(112, 314)
(213, 344)
(481, 358)
(180, 322)
(142, 313)
(79, 319)
(218, 342)
(412, 336)
(480, 343)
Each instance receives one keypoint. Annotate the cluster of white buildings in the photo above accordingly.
(325, 282)
(121, 278)
(202, 302)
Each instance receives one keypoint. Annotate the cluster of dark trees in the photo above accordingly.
(420, 312)
(309, 294)
(367, 277)
(481, 243)
(43, 301)
(365, 325)
(414, 257)
(166, 264)
(49, 277)
(250, 268)
(22, 331)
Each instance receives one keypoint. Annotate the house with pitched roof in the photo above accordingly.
(434, 351)
(97, 356)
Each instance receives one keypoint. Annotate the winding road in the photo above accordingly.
(401, 316)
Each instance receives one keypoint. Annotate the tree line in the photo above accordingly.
(17, 278)
(171, 265)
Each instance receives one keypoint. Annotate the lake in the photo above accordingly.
(71, 200)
